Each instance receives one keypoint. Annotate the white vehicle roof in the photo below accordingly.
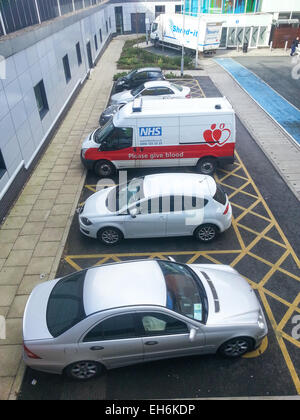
(158, 83)
(159, 108)
(118, 285)
(179, 184)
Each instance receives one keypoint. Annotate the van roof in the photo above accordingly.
(167, 107)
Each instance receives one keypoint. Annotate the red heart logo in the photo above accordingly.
(226, 133)
(217, 134)
(208, 136)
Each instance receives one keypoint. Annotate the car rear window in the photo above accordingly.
(65, 305)
(154, 74)
(178, 87)
(220, 195)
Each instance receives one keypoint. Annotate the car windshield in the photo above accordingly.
(154, 27)
(130, 74)
(137, 90)
(185, 292)
(104, 131)
(125, 195)
(65, 305)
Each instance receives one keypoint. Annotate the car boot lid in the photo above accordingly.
(35, 315)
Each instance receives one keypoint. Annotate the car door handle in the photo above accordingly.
(95, 348)
(151, 343)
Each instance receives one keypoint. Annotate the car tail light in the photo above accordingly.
(226, 210)
(188, 96)
(29, 353)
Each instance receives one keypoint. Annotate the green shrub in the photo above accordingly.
(134, 57)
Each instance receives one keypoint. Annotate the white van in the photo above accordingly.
(199, 132)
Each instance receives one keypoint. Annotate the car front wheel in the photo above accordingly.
(84, 370)
(104, 169)
(236, 347)
(110, 236)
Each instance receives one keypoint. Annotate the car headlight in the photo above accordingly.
(86, 221)
(261, 321)
(83, 153)
(120, 82)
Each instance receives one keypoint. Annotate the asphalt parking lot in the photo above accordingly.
(262, 245)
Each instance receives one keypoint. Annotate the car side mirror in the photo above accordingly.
(193, 333)
(133, 212)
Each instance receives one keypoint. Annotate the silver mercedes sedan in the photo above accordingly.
(137, 311)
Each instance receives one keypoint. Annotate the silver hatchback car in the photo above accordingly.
(171, 204)
(125, 313)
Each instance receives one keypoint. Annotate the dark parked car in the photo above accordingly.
(137, 77)
(108, 113)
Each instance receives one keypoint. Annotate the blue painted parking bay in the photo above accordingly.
(274, 104)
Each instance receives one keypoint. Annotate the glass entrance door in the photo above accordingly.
(254, 37)
(223, 42)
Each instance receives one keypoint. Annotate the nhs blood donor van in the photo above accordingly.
(199, 132)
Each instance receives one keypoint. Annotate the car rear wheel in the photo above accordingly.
(105, 169)
(236, 347)
(207, 166)
(206, 233)
(84, 370)
(110, 236)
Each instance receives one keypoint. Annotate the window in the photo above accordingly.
(220, 195)
(185, 292)
(109, 22)
(96, 42)
(119, 138)
(140, 76)
(114, 328)
(125, 194)
(65, 305)
(159, 10)
(164, 91)
(41, 99)
(100, 33)
(78, 52)
(149, 92)
(151, 206)
(178, 8)
(2, 165)
(106, 27)
(67, 68)
(154, 75)
(154, 323)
